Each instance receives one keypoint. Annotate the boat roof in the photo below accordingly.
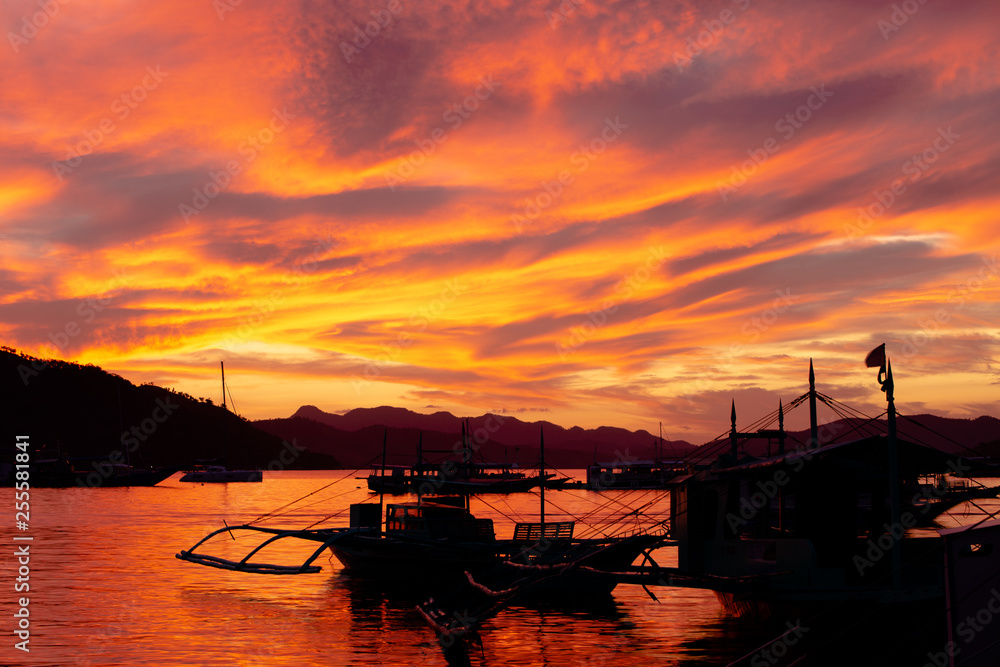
(986, 525)
(871, 450)
(643, 462)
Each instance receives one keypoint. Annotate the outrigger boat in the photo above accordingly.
(438, 540)
(830, 537)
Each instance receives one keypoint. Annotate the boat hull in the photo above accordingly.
(223, 476)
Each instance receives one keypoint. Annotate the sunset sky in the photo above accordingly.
(592, 213)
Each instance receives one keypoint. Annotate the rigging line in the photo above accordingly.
(517, 516)
(483, 501)
(272, 512)
(940, 435)
(636, 513)
(629, 508)
(313, 504)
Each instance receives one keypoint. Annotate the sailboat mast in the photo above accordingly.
(381, 485)
(893, 444)
(222, 365)
(541, 474)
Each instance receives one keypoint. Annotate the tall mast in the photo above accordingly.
(732, 432)
(381, 486)
(887, 387)
(813, 424)
(541, 473)
(222, 365)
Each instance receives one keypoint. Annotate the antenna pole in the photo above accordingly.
(893, 473)
(381, 486)
(541, 474)
(813, 424)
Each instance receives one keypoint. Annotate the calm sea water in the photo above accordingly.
(106, 588)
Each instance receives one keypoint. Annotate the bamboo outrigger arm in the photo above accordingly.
(326, 537)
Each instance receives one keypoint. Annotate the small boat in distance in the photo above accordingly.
(451, 477)
(220, 473)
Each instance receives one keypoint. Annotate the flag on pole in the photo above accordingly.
(876, 358)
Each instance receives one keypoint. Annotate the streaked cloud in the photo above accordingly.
(621, 214)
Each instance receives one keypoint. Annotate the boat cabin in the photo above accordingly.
(819, 517)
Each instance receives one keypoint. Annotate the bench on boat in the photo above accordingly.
(533, 532)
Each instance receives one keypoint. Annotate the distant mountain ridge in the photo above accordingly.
(355, 437)
(89, 414)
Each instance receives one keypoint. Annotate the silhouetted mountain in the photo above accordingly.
(500, 438)
(964, 437)
(86, 412)
(355, 437)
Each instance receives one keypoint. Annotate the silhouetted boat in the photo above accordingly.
(435, 541)
(220, 474)
(451, 477)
